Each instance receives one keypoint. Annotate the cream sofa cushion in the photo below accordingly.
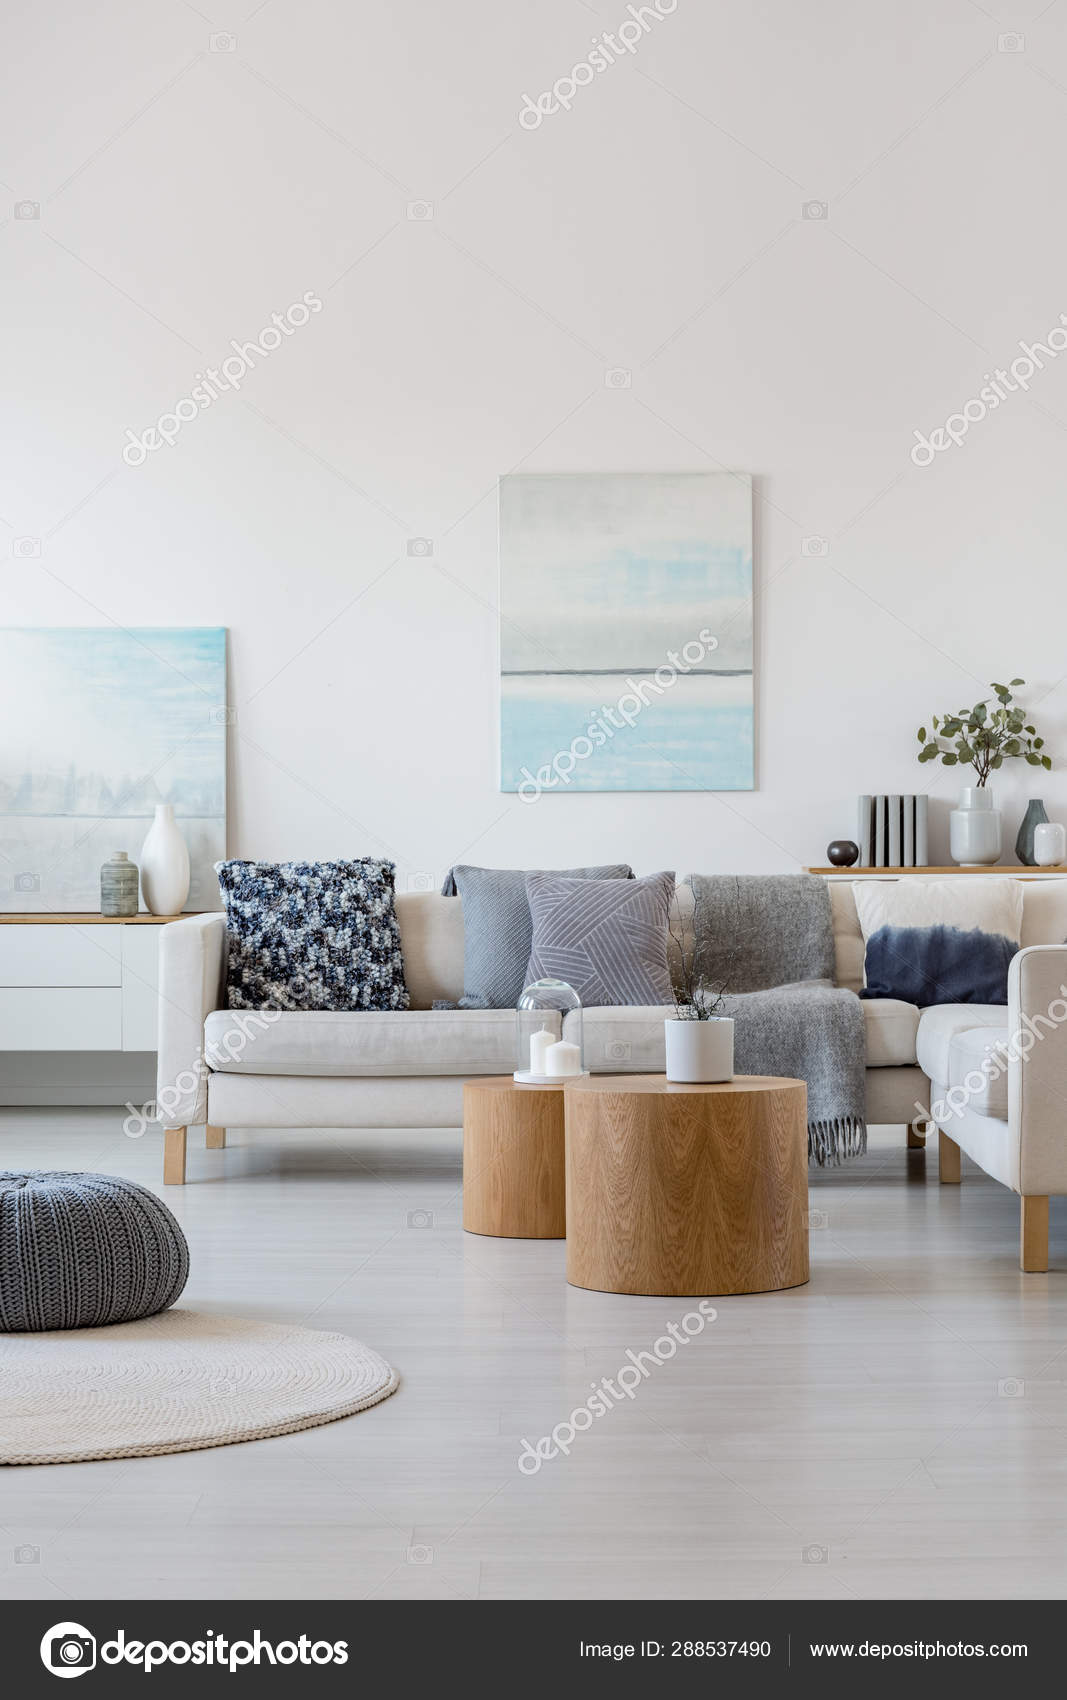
(978, 1065)
(891, 1029)
(939, 1025)
(385, 1042)
(431, 940)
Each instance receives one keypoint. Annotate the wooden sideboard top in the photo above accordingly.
(1021, 871)
(52, 919)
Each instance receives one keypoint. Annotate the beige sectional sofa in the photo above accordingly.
(406, 1069)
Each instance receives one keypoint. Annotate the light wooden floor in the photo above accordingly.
(898, 1428)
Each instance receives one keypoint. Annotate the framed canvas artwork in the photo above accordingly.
(100, 725)
(626, 632)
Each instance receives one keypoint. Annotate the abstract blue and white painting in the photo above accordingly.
(99, 725)
(626, 652)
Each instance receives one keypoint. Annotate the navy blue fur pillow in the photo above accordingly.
(939, 941)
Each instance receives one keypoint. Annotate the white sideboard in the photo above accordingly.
(79, 982)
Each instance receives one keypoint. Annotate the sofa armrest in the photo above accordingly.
(192, 977)
(1037, 1068)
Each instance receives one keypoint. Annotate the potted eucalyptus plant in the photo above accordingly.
(982, 737)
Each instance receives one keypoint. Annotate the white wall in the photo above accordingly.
(187, 194)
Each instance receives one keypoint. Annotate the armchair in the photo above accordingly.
(1004, 1101)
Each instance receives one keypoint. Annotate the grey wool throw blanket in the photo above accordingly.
(767, 941)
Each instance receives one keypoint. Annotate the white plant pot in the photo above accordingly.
(1050, 844)
(700, 1051)
(164, 864)
(974, 828)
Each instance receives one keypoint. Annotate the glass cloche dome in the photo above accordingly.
(542, 1056)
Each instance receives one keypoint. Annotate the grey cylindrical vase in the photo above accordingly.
(1024, 844)
(118, 886)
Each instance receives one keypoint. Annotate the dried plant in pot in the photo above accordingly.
(699, 1038)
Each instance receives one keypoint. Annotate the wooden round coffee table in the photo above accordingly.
(679, 1190)
(513, 1165)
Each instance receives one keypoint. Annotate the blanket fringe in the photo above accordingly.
(835, 1140)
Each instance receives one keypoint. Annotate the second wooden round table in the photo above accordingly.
(679, 1190)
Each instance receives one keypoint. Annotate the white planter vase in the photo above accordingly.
(700, 1051)
(1050, 845)
(164, 864)
(974, 828)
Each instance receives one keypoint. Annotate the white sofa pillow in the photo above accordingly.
(939, 941)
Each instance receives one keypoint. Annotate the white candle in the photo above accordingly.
(539, 1044)
(563, 1058)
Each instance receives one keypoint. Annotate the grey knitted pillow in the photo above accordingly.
(606, 938)
(83, 1251)
(497, 928)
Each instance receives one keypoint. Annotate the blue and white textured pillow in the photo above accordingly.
(312, 935)
(939, 941)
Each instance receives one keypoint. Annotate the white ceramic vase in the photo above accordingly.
(164, 864)
(1050, 844)
(974, 828)
(700, 1051)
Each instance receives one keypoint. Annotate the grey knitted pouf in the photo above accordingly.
(83, 1251)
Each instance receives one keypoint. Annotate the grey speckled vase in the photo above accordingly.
(118, 886)
(1024, 844)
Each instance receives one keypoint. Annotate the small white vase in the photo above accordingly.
(700, 1051)
(164, 864)
(1050, 844)
(974, 828)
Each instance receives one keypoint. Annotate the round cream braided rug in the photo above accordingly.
(173, 1383)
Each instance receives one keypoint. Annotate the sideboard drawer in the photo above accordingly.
(53, 955)
(60, 1018)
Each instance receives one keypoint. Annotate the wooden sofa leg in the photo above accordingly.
(216, 1137)
(1033, 1234)
(948, 1159)
(174, 1156)
(917, 1132)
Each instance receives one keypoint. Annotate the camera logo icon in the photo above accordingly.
(815, 209)
(26, 548)
(223, 42)
(68, 1649)
(421, 1218)
(818, 1221)
(420, 211)
(419, 1555)
(223, 715)
(817, 546)
(1011, 43)
(27, 1555)
(1011, 1388)
(816, 1555)
(617, 1050)
(618, 378)
(421, 882)
(420, 547)
(27, 882)
(27, 209)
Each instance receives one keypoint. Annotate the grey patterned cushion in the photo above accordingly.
(606, 938)
(497, 929)
(312, 935)
(84, 1251)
